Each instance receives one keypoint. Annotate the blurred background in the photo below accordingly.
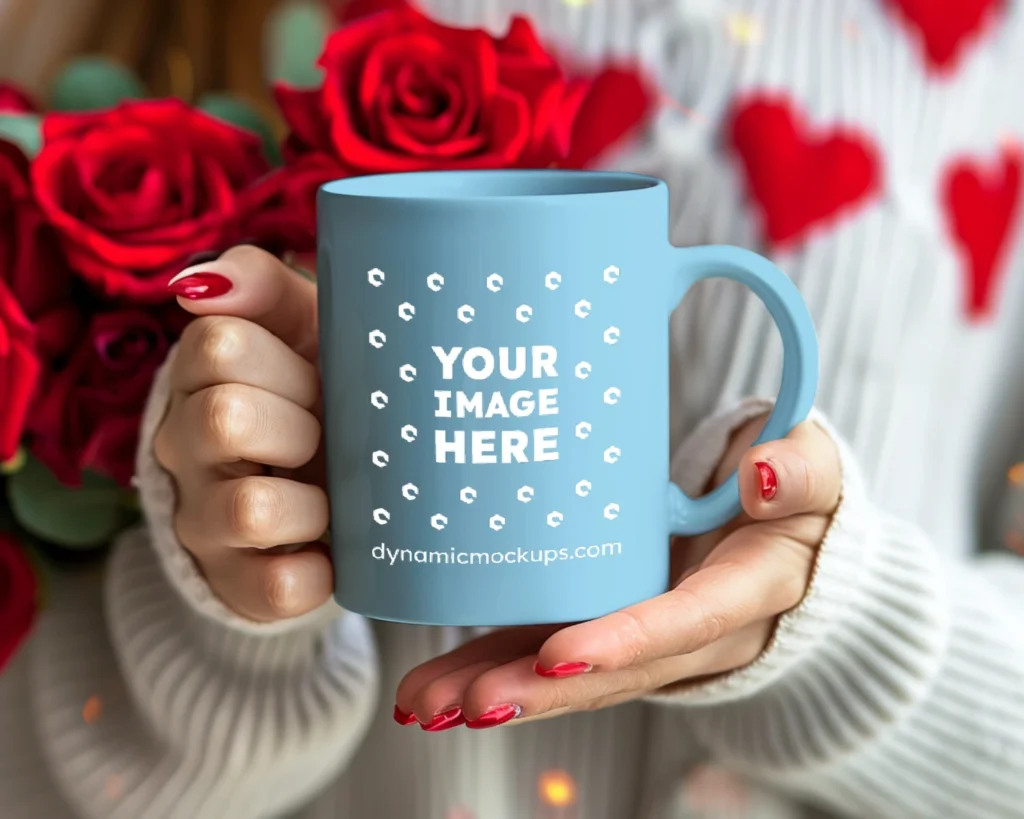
(182, 48)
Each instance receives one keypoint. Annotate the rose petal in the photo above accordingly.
(14, 167)
(15, 101)
(416, 88)
(18, 597)
(510, 128)
(56, 331)
(301, 109)
(19, 378)
(30, 262)
(425, 136)
(593, 130)
(521, 44)
(19, 371)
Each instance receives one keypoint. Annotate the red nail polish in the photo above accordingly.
(769, 480)
(451, 718)
(403, 718)
(498, 715)
(560, 670)
(200, 286)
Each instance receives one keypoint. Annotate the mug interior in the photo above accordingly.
(489, 184)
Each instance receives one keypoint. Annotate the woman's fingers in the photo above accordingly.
(227, 350)
(268, 587)
(250, 283)
(245, 383)
(490, 694)
(444, 694)
(257, 512)
(750, 576)
(496, 648)
(798, 475)
(718, 619)
(234, 422)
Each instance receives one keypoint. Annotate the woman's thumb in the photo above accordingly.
(252, 284)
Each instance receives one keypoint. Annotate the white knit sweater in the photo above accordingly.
(896, 689)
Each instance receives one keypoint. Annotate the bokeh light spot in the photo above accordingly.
(92, 710)
(557, 788)
(744, 29)
(1016, 474)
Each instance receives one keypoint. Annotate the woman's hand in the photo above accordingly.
(241, 437)
(733, 584)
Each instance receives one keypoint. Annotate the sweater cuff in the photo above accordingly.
(873, 589)
(158, 499)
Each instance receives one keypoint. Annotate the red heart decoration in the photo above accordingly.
(799, 178)
(980, 202)
(946, 26)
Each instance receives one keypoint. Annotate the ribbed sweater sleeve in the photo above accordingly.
(896, 688)
(262, 716)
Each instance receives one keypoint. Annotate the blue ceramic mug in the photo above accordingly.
(495, 363)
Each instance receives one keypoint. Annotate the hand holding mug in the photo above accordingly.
(729, 587)
(241, 437)
(496, 441)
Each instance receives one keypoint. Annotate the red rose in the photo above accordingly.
(137, 190)
(89, 413)
(15, 101)
(18, 593)
(31, 263)
(404, 93)
(19, 373)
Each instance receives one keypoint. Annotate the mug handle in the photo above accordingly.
(692, 516)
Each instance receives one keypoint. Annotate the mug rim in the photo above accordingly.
(478, 186)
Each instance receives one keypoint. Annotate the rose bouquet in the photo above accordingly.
(102, 203)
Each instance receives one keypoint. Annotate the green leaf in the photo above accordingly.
(24, 130)
(74, 517)
(296, 32)
(243, 115)
(92, 83)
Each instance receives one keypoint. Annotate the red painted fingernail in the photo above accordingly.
(446, 719)
(200, 286)
(560, 670)
(403, 718)
(769, 480)
(498, 715)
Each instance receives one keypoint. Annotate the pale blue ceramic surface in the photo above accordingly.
(570, 261)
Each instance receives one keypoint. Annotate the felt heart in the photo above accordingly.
(800, 178)
(980, 202)
(945, 26)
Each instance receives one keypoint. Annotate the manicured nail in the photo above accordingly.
(498, 715)
(199, 285)
(560, 670)
(449, 718)
(769, 480)
(403, 718)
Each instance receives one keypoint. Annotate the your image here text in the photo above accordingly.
(509, 364)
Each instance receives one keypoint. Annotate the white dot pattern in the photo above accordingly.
(466, 313)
